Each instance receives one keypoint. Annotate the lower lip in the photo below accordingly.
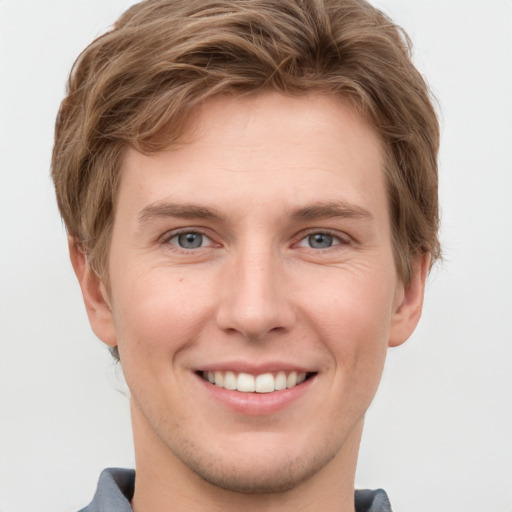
(256, 404)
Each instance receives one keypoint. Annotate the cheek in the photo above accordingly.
(156, 312)
(353, 321)
(359, 303)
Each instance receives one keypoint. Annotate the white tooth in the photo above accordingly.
(301, 377)
(280, 382)
(229, 380)
(245, 383)
(211, 377)
(291, 381)
(219, 379)
(264, 383)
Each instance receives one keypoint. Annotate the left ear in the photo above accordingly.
(410, 302)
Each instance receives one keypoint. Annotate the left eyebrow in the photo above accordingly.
(329, 210)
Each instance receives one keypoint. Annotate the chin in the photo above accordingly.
(257, 480)
(256, 473)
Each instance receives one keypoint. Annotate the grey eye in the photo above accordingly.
(190, 240)
(320, 241)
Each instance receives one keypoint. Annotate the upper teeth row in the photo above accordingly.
(247, 383)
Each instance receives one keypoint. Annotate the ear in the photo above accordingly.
(94, 292)
(409, 302)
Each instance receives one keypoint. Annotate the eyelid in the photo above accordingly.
(342, 238)
(169, 235)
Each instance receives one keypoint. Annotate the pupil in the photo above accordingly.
(190, 240)
(320, 241)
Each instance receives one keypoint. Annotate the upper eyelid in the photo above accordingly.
(180, 231)
(167, 241)
(342, 236)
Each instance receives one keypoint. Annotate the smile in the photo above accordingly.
(247, 383)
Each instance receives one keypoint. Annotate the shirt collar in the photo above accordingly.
(116, 486)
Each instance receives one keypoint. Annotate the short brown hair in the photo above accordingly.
(136, 86)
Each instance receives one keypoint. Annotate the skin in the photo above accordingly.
(274, 170)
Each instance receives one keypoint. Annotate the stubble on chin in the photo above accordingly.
(249, 476)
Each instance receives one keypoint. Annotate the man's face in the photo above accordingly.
(256, 254)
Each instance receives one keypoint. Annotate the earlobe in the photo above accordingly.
(95, 296)
(408, 312)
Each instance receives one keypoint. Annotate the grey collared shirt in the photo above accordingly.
(115, 490)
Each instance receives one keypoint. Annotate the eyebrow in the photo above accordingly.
(329, 210)
(315, 211)
(181, 211)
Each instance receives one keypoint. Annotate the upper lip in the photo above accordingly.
(255, 368)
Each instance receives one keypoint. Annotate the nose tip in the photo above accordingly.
(255, 301)
(253, 325)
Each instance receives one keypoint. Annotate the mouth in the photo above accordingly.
(248, 383)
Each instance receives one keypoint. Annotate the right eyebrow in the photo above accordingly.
(176, 210)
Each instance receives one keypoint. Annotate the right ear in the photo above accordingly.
(94, 292)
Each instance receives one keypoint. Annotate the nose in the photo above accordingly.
(255, 299)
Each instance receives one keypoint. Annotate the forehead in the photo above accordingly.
(262, 150)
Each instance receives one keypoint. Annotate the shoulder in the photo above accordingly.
(114, 491)
(372, 501)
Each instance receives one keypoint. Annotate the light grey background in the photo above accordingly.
(439, 434)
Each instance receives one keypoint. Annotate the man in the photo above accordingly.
(250, 193)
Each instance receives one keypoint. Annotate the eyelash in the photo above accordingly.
(337, 238)
(185, 231)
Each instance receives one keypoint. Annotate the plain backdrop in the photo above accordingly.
(439, 434)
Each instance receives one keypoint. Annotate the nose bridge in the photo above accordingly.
(255, 296)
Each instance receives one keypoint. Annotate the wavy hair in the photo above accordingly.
(136, 86)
